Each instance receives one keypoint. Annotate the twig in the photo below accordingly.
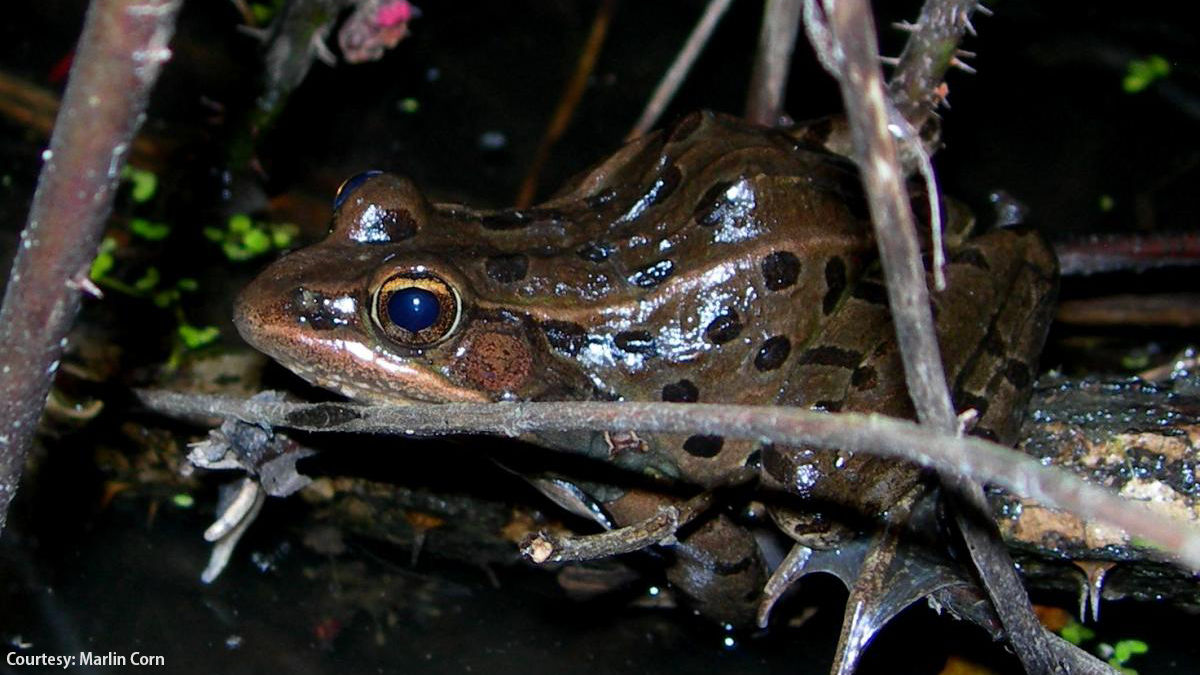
(970, 458)
(1160, 309)
(1129, 253)
(543, 546)
(675, 75)
(568, 103)
(773, 60)
(123, 46)
(843, 32)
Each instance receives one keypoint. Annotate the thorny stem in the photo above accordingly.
(930, 50)
(843, 33)
(123, 46)
(970, 458)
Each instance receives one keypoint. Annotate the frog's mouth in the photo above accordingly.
(341, 360)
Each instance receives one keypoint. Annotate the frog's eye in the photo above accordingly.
(415, 309)
(351, 184)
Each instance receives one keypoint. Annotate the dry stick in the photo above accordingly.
(568, 103)
(776, 41)
(1127, 252)
(970, 458)
(543, 546)
(123, 46)
(1181, 310)
(670, 82)
(844, 31)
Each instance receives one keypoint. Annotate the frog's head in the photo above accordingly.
(379, 310)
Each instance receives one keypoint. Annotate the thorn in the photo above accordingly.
(964, 53)
(1090, 594)
(983, 9)
(260, 34)
(85, 284)
(955, 63)
(941, 95)
(321, 50)
(966, 421)
(890, 60)
(906, 27)
(970, 28)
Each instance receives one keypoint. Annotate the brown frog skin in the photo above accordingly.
(713, 262)
(693, 265)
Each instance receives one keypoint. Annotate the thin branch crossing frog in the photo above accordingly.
(715, 261)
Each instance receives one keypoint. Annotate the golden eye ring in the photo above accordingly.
(415, 308)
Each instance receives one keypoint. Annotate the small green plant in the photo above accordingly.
(144, 183)
(1076, 633)
(264, 12)
(1141, 73)
(245, 238)
(148, 282)
(1117, 654)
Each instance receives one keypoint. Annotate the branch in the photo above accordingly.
(968, 458)
(543, 546)
(123, 46)
(843, 33)
(673, 78)
(773, 61)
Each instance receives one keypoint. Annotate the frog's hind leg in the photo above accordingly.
(885, 573)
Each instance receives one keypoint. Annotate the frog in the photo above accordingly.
(713, 261)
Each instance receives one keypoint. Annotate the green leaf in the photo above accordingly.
(257, 241)
(145, 184)
(104, 261)
(1126, 649)
(235, 251)
(1076, 633)
(262, 13)
(164, 299)
(101, 266)
(239, 223)
(150, 230)
(187, 284)
(195, 337)
(283, 234)
(214, 234)
(183, 500)
(1141, 73)
(149, 280)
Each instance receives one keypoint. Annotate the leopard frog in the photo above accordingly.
(715, 261)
